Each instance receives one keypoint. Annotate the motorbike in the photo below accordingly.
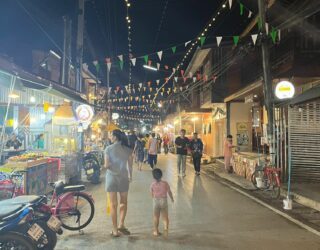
(39, 226)
(12, 218)
(92, 162)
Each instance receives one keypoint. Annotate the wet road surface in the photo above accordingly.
(206, 215)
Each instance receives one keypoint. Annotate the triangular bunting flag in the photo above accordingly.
(235, 40)
(190, 74)
(174, 70)
(267, 28)
(157, 81)
(230, 4)
(133, 61)
(174, 48)
(158, 66)
(120, 57)
(146, 58)
(149, 62)
(219, 38)
(121, 65)
(160, 55)
(97, 65)
(186, 43)
(202, 40)
(176, 79)
(254, 38)
(194, 79)
(250, 14)
(273, 35)
(109, 65)
(241, 9)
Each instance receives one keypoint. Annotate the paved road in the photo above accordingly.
(206, 215)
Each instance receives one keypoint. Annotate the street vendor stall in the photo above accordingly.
(37, 171)
(244, 163)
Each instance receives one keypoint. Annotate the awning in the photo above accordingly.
(309, 95)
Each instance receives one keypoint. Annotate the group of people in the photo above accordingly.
(119, 157)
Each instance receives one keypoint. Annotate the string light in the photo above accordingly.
(128, 5)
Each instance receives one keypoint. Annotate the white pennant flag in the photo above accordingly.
(186, 43)
(219, 38)
(250, 14)
(120, 57)
(158, 66)
(174, 70)
(140, 85)
(254, 38)
(230, 4)
(267, 28)
(194, 79)
(158, 81)
(133, 60)
(159, 55)
(176, 79)
(109, 65)
(190, 74)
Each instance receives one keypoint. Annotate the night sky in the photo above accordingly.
(106, 29)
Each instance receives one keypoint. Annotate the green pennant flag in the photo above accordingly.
(145, 58)
(202, 40)
(259, 23)
(121, 65)
(174, 49)
(273, 35)
(97, 65)
(235, 40)
(241, 9)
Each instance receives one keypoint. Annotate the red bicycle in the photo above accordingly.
(267, 178)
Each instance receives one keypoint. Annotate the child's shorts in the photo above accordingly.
(160, 205)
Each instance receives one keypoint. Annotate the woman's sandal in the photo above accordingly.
(114, 235)
(155, 234)
(124, 231)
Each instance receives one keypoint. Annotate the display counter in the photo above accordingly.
(244, 163)
(37, 174)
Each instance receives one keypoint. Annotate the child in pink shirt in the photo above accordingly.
(159, 190)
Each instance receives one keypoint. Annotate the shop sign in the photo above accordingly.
(284, 90)
(84, 113)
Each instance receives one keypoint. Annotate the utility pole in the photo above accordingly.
(267, 80)
(79, 45)
(65, 69)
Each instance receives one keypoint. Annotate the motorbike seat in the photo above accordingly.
(28, 199)
(8, 210)
(73, 188)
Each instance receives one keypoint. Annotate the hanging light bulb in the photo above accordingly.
(224, 5)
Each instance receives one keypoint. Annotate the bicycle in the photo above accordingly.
(267, 178)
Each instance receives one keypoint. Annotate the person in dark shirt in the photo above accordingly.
(14, 142)
(132, 138)
(182, 144)
(196, 147)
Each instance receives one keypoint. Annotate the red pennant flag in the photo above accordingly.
(166, 66)
(149, 62)
(149, 83)
(198, 77)
(108, 60)
(182, 72)
(205, 78)
(184, 79)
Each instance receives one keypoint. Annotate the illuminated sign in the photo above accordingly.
(84, 113)
(284, 90)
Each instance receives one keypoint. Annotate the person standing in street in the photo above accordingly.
(182, 143)
(228, 154)
(146, 147)
(132, 138)
(196, 147)
(159, 143)
(166, 144)
(118, 162)
(153, 150)
(139, 151)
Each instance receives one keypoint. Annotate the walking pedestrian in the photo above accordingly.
(182, 143)
(166, 143)
(196, 146)
(153, 150)
(159, 190)
(118, 162)
(228, 154)
(159, 143)
(146, 148)
(139, 151)
(132, 138)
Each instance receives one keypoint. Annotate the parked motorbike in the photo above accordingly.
(92, 166)
(12, 218)
(40, 227)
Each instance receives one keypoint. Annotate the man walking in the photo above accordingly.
(153, 150)
(182, 144)
(196, 146)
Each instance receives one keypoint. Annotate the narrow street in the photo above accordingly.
(206, 215)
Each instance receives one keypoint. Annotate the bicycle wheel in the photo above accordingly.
(17, 241)
(275, 186)
(75, 211)
(257, 174)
